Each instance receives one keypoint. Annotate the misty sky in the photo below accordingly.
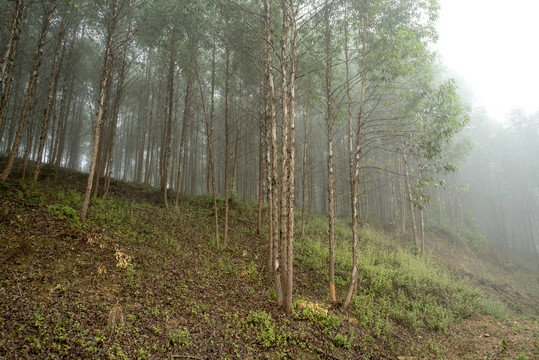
(494, 46)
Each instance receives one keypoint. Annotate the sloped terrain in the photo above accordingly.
(139, 282)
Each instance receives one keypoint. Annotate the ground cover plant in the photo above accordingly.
(137, 281)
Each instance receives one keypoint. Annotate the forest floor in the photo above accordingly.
(138, 282)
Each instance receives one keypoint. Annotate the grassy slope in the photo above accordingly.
(179, 293)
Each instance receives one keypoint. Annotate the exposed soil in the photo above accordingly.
(155, 289)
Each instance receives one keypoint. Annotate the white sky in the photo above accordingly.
(494, 46)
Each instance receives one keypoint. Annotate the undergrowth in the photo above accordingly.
(397, 290)
(395, 286)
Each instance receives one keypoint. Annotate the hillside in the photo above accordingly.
(138, 282)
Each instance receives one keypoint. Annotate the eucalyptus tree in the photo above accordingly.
(7, 63)
(438, 117)
(49, 7)
(101, 106)
(52, 89)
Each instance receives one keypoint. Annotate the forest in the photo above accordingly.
(330, 113)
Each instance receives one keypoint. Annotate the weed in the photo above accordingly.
(180, 337)
(344, 341)
(261, 322)
(66, 213)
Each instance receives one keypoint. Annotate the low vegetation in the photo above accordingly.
(137, 282)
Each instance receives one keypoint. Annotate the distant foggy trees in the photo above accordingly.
(336, 106)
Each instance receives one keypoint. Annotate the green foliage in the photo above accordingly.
(344, 341)
(63, 212)
(395, 286)
(262, 324)
(179, 337)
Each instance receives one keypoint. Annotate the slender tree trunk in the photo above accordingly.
(8, 60)
(304, 165)
(209, 136)
(51, 97)
(165, 162)
(331, 176)
(291, 160)
(115, 115)
(105, 125)
(354, 161)
(227, 137)
(422, 223)
(12, 39)
(144, 132)
(186, 117)
(6, 91)
(29, 91)
(283, 221)
(402, 200)
(100, 108)
(439, 200)
(410, 199)
(29, 137)
(262, 142)
(393, 201)
(271, 118)
(151, 140)
(235, 185)
(367, 190)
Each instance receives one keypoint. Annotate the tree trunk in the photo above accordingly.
(165, 157)
(402, 200)
(261, 144)
(410, 199)
(227, 136)
(100, 108)
(51, 97)
(115, 115)
(354, 161)
(12, 39)
(422, 222)
(331, 176)
(29, 91)
(8, 60)
(271, 118)
(185, 122)
(209, 136)
(291, 160)
(304, 165)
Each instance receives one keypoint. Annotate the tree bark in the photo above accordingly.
(100, 108)
(272, 161)
(29, 91)
(115, 115)
(209, 137)
(165, 157)
(8, 60)
(304, 165)
(283, 221)
(410, 199)
(331, 176)
(261, 144)
(227, 136)
(354, 161)
(12, 39)
(51, 96)
(185, 122)
(291, 160)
